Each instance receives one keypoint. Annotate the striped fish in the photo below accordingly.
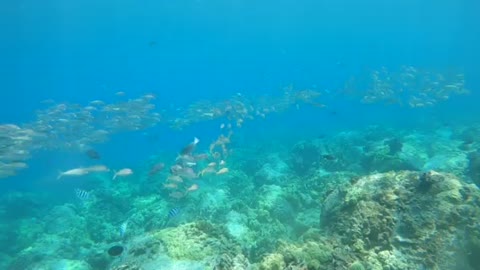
(173, 212)
(82, 194)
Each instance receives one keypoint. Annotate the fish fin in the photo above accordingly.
(60, 174)
(196, 140)
(114, 174)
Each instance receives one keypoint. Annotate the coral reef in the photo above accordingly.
(404, 220)
(190, 246)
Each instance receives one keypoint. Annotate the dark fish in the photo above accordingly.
(188, 150)
(93, 154)
(156, 168)
(173, 212)
(329, 157)
(82, 194)
(152, 43)
(115, 251)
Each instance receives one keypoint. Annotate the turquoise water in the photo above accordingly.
(239, 135)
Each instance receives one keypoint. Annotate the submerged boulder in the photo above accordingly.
(405, 220)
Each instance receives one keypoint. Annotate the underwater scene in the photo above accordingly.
(239, 134)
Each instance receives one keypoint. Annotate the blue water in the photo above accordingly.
(190, 50)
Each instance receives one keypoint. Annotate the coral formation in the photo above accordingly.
(405, 220)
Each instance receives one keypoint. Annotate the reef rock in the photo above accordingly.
(404, 220)
(190, 246)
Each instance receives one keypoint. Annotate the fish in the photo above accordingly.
(123, 228)
(329, 157)
(208, 170)
(222, 171)
(156, 168)
(175, 178)
(82, 194)
(212, 164)
(188, 150)
(116, 251)
(152, 43)
(92, 154)
(171, 214)
(192, 188)
(73, 172)
(170, 185)
(190, 164)
(123, 172)
(187, 173)
(176, 195)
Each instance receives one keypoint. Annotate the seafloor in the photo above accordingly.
(365, 199)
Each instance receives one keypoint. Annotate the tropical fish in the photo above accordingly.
(222, 171)
(82, 194)
(188, 150)
(207, 170)
(123, 172)
(176, 195)
(123, 228)
(173, 212)
(156, 168)
(175, 178)
(91, 153)
(192, 188)
(187, 173)
(116, 251)
(170, 185)
(73, 172)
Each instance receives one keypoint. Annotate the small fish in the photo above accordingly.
(123, 228)
(192, 188)
(120, 93)
(222, 171)
(123, 172)
(329, 157)
(73, 172)
(82, 194)
(92, 154)
(156, 168)
(170, 185)
(173, 212)
(176, 195)
(188, 150)
(187, 173)
(175, 178)
(152, 43)
(208, 170)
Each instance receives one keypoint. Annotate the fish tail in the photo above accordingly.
(60, 174)
(196, 140)
(114, 176)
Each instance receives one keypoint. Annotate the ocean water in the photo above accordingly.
(331, 134)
